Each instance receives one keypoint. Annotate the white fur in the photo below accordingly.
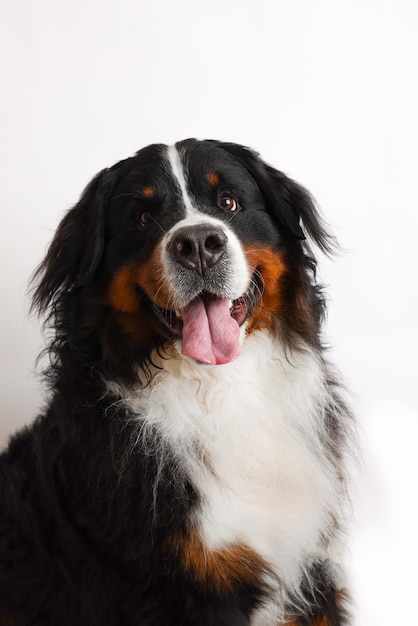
(259, 423)
(178, 173)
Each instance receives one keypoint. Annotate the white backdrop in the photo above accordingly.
(327, 91)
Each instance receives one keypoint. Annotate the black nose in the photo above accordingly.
(198, 247)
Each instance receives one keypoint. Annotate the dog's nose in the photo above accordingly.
(198, 247)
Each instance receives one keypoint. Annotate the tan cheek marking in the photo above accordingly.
(148, 191)
(321, 620)
(123, 294)
(221, 570)
(271, 266)
(213, 179)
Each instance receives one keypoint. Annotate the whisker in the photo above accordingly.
(256, 294)
(262, 251)
(123, 195)
(170, 303)
(233, 215)
(157, 292)
(159, 225)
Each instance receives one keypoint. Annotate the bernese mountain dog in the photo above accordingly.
(190, 467)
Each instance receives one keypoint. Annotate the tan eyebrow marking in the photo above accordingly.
(213, 179)
(148, 191)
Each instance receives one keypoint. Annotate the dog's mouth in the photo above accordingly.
(209, 326)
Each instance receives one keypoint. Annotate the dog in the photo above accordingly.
(190, 467)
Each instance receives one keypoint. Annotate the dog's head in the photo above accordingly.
(194, 245)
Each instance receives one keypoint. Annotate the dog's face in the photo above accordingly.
(192, 248)
(196, 244)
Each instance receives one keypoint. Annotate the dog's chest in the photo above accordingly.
(249, 436)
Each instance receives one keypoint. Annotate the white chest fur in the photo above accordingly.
(251, 435)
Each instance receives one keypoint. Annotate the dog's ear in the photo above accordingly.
(287, 202)
(77, 247)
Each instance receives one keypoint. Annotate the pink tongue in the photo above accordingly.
(210, 334)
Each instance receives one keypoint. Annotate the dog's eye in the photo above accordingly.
(145, 218)
(226, 203)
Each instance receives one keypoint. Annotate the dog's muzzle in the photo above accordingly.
(210, 287)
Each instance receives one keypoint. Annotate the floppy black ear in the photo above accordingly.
(77, 247)
(288, 203)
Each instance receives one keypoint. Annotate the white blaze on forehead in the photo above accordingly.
(178, 173)
(237, 279)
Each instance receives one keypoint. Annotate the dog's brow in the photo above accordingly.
(148, 191)
(213, 178)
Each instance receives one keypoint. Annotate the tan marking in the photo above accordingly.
(342, 599)
(130, 317)
(321, 620)
(222, 570)
(213, 179)
(271, 267)
(123, 294)
(148, 191)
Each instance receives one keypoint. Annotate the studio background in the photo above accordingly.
(327, 92)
